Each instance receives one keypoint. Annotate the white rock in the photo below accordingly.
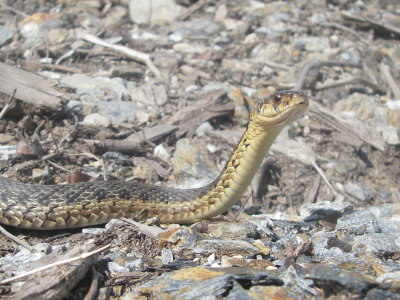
(389, 134)
(96, 120)
(203, 128)
(161, 152)
(154, 12)
(393, 105)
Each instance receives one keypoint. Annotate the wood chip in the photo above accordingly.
(31, 88)
(56, 283)
(356, 132)
(191, 116)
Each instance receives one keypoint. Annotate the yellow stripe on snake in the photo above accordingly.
(83, 204)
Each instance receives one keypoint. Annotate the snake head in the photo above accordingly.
(280, 108)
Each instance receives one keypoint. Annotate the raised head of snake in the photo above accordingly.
(90, 203)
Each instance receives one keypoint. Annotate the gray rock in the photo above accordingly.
(225, 247)
(92, 89)
(342, 166)
(376, 294)
(266, 52)
(191, 159)
(313, 44)
(348, 56)
(166, 256)
(204, 128)
(388, 216)
(154, 12)
(6, 34)
(389, 135)
(380, 244)
(122, 111)
(150, 94)
(295, 278)
(96, 120)
(358, 222)
(358, 191)
(264, 226)
(323, 251)
(362, 105)
(232, 230)
(94, 230)
(139, 264)
(116, 268)
(325, 209)
(209, 283)
(334, 280)
(213, 288)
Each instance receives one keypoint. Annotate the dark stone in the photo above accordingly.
(333, 280)
(335, 242)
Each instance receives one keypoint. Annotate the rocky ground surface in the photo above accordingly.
(124, 90)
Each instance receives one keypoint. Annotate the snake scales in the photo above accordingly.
(90, 203)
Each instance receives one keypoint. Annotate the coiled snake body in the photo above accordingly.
(83, 204)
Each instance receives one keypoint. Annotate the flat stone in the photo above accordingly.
(358, 191)
(382, 294)
(359, 222)
(5, 138)
(334, 280)
(361, 104)
(97, 88)
(225, 247)
(6, 34)
(122, 111)
(313, 44)
(380, 244)
(96, 120)
(232, 230)
(191, 159)
(208, 283)
(154, 12)
(150, 94)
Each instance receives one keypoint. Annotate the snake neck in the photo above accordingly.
(229, 186)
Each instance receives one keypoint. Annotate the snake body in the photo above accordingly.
(83, 204)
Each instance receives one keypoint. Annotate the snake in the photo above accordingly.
(65, 206)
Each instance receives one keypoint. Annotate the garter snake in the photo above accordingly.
(47, 207)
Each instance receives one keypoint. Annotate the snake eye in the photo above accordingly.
(277, 98)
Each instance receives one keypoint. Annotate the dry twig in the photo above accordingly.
(15, 239)
(350, 80)
(317, 64)
(8, 105)
(322, 174)
(14, 10)
(390, 81)
(131, 53)
(91, 294)
(195, 7)
(28, 164)
(378, 27)
(151, 231)
(347, 29)
(241, 208)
